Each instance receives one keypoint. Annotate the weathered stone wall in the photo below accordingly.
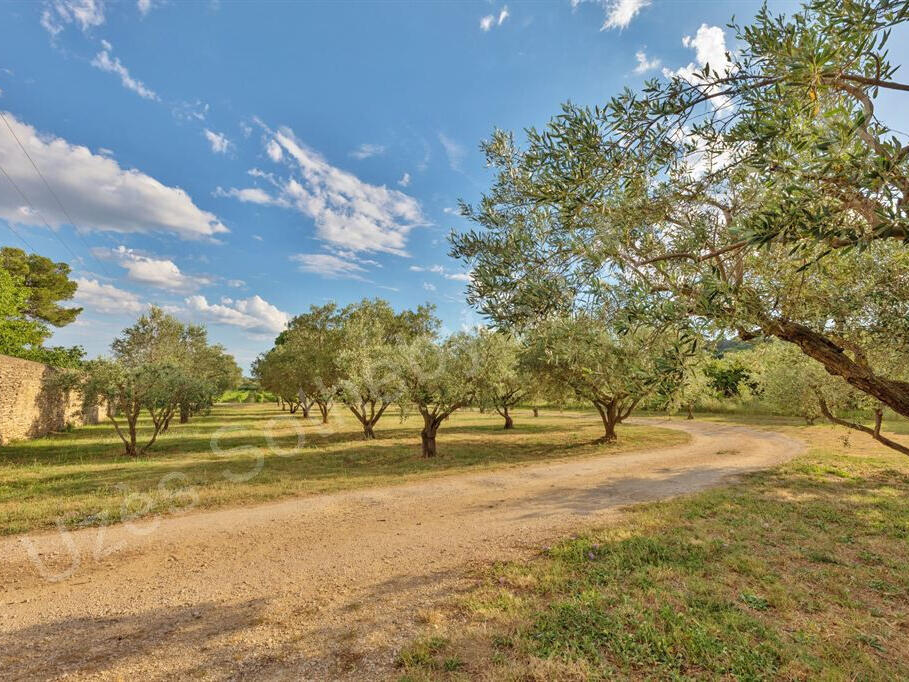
(30, 405)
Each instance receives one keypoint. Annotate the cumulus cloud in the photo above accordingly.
(405, 180)
(156, 272)
(348, 213)
(105, 298)
(218, 141)
(97, 193)
(104, 62)
(329, 265)
(709, 44)
(365, 151)
(253, 314)
(144, 6)
(429, 287)
(645, 64)
(86, 14)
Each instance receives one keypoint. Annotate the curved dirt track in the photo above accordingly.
(321, 587)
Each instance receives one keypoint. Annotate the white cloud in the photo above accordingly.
(490, 20)
(236, 283)
(253, 314)
(441, 270)
(250, 195)
(405, 180)
(105, 298)
(97, 193)
(104, 62)
(348, 213)
(144, 6)
(365, 151)
(156, 272)
(329, 265)
(85, 13)
(257, 237)
(274, 151)
(454, 151)
(218, 141)
(709, 44)
(645, 64)
(619, 13)
(429, 287)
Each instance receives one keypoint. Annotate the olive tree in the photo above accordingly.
(614, 371)
(125, 391)
(794, 384)
(311, 343)
(438, 378)
(503, 383)
(158, 338)
(780, 214)
(368, 332)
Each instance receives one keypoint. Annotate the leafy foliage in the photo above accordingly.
(761, 197)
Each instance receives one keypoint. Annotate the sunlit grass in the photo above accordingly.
(257, 454)
(795, 573)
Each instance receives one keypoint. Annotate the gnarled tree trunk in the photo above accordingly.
(509, 422)
(428, 436)
(610, 415)
(894, 394)
(613, 412)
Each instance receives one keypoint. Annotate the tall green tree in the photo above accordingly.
(17, 332)
(47, 283)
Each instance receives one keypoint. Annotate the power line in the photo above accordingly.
(40, 215)
(21, 238)
(54, 195)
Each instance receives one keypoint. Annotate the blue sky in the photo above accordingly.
(236, 162)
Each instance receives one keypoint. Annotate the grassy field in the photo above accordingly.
(801, 572)
(81, 479)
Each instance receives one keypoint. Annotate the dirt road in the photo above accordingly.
(321, 587)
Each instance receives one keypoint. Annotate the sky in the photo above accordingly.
(237, 162)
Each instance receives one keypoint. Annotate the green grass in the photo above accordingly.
(81, 479)
(795, 573)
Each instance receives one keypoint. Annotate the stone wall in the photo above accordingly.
(30, 405)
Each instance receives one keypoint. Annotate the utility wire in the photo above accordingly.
(56, 198)
(40, 215)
